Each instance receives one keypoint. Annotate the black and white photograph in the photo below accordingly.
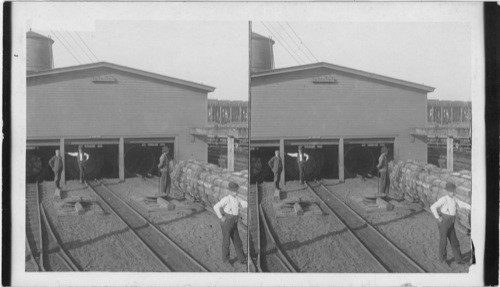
(136, 145)
(247, 144)
(361, 137)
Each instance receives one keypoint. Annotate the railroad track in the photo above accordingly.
(265, 231)
(254, 228)
(38, 229)
(34, 240)
(389, 256)
(163, 249)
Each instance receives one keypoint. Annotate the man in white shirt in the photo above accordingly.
(447, 206)
(230, 206)
(302, 158)
(81, 158)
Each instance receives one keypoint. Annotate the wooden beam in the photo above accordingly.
(62, 153)
(341, 160)
(282, 155)
(121, 159)
(230, 153)
(449, 153)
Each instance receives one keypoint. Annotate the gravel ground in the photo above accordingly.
(104, 243)
(414, 231)
(317, 243)
(96, 242)
(198, 233)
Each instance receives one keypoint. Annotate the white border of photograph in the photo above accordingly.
(333, 12)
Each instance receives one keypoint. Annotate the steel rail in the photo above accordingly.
(30, 253)
(62, 254)
(38, 212)
(148, 248)
(253, 212)
(361, 243)
(149, 224)
(281, 257)
(417, 267)
(256, 214)
(176, 246)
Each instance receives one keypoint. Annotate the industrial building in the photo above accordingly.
(121, 115)
(342, 116)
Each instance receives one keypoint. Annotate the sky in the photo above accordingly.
(210, 53)
(434, 54)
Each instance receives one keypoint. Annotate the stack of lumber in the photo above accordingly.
(426, 182)
(209, 183)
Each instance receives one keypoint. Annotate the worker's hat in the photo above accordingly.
(233, 186)
(451, 187)
(165, 149)
(384, 149)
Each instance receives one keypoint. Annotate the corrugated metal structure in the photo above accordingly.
(115, 110)
(337, 113)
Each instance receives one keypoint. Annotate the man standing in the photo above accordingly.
(230, 206)
(164, 168)
(277, 167)
(81, 157)
(56, 163)
(383, 170)
(446, 222)
(302, 158)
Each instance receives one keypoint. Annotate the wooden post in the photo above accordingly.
(282, 155)
(395, 154)
(176, 149)
(62, 153)
(341, 160)
(230, 153)
(121, 159)
(449, 153)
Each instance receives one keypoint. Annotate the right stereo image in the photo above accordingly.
(360, 147)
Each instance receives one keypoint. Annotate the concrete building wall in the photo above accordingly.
(70, 105)
(290, 105)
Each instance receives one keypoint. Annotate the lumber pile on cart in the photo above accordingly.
(424, 182)
(209, 183)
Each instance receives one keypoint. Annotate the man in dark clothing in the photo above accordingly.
(277, 167)
(81, 158)
(302, 158)
(164, 168)
(383, 170)
(56, 163)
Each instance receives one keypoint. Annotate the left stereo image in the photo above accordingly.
(136, 146)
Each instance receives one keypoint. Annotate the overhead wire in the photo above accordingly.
(75, 50)
(282, 44)
(81, 48)
(302, 42)
(84, 43)
(298, 44)
(67, 49)
(286, 42)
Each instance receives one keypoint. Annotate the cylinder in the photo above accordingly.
(38, 52)
(262, 53)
